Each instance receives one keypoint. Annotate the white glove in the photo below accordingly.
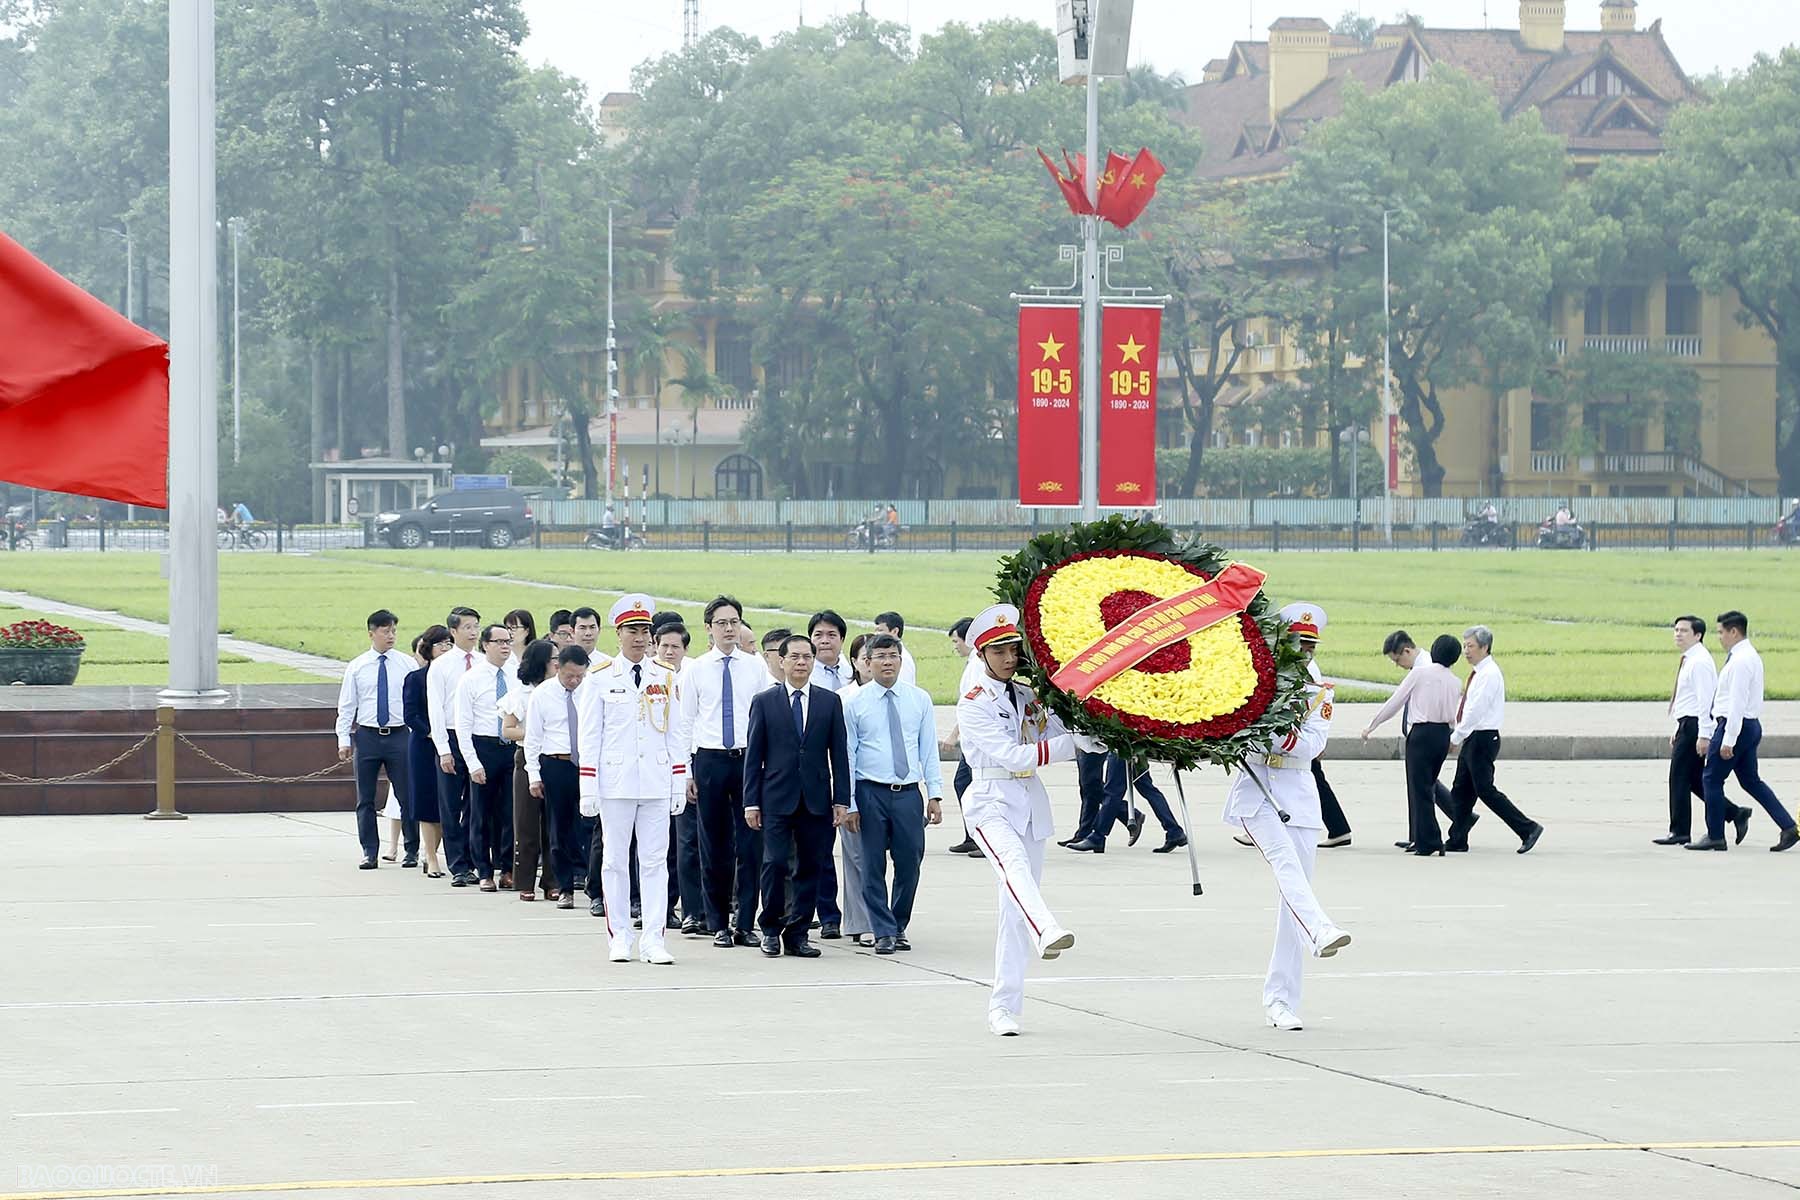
(678, 803)
(590, 805)
(1089, 745)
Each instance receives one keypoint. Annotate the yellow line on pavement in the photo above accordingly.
(955, 1164)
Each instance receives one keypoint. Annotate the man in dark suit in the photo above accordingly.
(796, 789)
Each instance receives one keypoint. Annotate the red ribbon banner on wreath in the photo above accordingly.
(1159, 624)
(1049, 406)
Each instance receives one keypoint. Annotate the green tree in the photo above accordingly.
(1732, 180)
(1481, 216)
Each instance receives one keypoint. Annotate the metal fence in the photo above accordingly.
(1260, 532)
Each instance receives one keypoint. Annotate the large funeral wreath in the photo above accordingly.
(1233, 689)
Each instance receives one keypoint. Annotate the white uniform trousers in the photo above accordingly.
(1019, 862)
(850, 883)
(649, 819)
(1299, 921)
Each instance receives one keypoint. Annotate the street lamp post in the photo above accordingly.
(1090, 315)
(236, 226)
(1387, 389)
(612, 363)
(124, 235)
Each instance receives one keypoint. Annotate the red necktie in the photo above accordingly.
(1465, 696)
(468, 660)
(1676, 690)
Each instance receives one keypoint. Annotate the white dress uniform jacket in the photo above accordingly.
(1006, 737)
(1288, 772)
(633, 737)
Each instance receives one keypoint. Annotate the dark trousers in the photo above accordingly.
(370, 753)
(1742, 764)
(562, 802)
(1114, 807)
(490, 807)
(893, 825)
(829, 912)
(673, 867)
(730, 851)
(1687, 769)
(581, 838)
(1475, 781)
(534, 855)
(1336, 824)
(1090, 778)
(453, 810)
(959, 783)
(689, 879)
(789, 899)
(1427, 746)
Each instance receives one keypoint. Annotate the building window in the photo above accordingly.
(738, 477)
(732, 354)
(1546, 427)
(1683, 310)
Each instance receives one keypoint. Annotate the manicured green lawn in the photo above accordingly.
(117, 656)
(1567, 626)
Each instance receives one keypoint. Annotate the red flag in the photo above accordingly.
(1129, 344)
(1049, 407)
(84, 393)
(1072, 192)
(1124, 197)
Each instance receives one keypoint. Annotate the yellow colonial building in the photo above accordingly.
(1606, 92)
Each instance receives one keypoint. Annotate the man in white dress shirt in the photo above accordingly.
(831, 670)
(1426, 701)
(1690, 703)
(1274, 801)
(671, 640)
(1007, 736)
(445, 673)
(478, 722)
(716, 710)
(552, 760)
(971, 675)
(1479, 716)
(371, 731)
(1736, 733)
(634, 776)
(894, 625)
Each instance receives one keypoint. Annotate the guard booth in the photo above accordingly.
(361, 487)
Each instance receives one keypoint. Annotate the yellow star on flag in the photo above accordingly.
(1052, 348)
(1131, 350)
(1138, 180)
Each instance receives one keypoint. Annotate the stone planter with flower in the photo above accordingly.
(38, 652)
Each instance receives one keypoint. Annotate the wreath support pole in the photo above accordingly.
(1187, 823)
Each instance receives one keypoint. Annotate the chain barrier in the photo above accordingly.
(91, 771)
(251, 776)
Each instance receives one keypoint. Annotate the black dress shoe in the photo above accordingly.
(744, 937)
(1456, 847)
(1135, 828)
(884, 945)
(966, 846)
(596, 908)
(901, 944)
(1403, 845)
(1790, 837)
(977, 852)
(410, 861)
(367, 864)
(1172, 843)
(771, 945)
(693, 928)
(724, 940)
(1427, 851)
(1742, 821)
(459, 880)
(798, 947)
(1708, 843)
(1088, 845)
(832, 932)
(1531, 839)
(1068, 841)
(1673, 839)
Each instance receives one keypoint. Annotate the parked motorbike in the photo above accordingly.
(885, 535)
(614, 537)
(1787, 530)
(1486, 531)
(1552, 536)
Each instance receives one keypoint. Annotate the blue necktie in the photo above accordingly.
(799, 717)
(381, 691)
(574, 729)
(499, 691)
(729, 734)
(896, 738)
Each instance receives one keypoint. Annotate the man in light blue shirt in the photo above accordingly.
(893, 750)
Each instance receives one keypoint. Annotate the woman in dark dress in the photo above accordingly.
(422, 763)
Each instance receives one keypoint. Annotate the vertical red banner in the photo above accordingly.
(1130, 336)
(1049, 408)
(1393, 452)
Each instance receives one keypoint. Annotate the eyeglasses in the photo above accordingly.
(505, 641)
(884, 656)
(726, 623)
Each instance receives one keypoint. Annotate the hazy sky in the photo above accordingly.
(599, 41)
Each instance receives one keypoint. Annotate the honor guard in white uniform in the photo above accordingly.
(633, 775)
(1006, 736)
(1274, 802)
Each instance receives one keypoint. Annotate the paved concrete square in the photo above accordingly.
(214, 1006)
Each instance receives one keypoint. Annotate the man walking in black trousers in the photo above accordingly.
(1478, 719)
(371, 731)
(1690, 703)
(796, 791)
(1426, 701)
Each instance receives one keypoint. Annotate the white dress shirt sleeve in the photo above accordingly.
(928, 747)
(590, 714)
(437, 702)
(690, 710)
(346, 710)
(534, 726)
(1706, 683)
(1479, 705)
(464, 709)
(909, 670)
(1395, 702)
(1735, 691)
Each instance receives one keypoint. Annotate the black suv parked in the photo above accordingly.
(492, 517)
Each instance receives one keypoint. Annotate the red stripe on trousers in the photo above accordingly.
(1284, 899)
(1007, 882)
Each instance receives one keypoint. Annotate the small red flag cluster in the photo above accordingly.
(1126, 185)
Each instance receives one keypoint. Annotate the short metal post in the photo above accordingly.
(278, 545)
(368, 532)
(1671, 535)
(101, 525)
(1434, 536)
(1275, 538)
(1749, 536)
(706, 535)
(790, 544)
(952, 535)
(1356, 534)
(165, 768)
